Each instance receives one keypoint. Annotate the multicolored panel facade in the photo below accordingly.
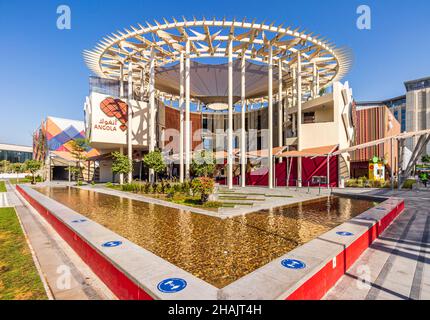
(55, 135)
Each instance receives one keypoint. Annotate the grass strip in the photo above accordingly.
(19, 279)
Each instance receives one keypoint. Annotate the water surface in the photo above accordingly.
(215, 250)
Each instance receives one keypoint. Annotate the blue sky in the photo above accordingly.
(43, 73)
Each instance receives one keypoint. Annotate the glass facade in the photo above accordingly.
(417, 84)
(15, 156)
(108, 87)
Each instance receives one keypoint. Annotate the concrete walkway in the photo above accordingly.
(397, 265)
(65, 275)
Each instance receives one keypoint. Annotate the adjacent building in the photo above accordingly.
(51, 145)
(411, 110)
(15, 153)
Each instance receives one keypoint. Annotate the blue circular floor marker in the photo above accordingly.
(344, 234)
(293, 264)
(79, 221)
(111, 244)
(172, 285)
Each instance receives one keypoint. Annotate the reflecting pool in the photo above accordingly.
(215, 250)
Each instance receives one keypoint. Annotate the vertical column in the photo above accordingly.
(121, 96)
(130, 120)
(243, 131)
(121, 81)
(328, 171)
(187, 112)
(230, 117)
(299, 116)
(151, 131)
(392, 163)
(142, 84)
(280, 111)
(270, 117)
(314, 90)
(181, 118)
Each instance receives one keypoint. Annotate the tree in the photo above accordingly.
(204, 186)
(5, 166)
(79, 147)
(154, 160)
(203, 164)
(121, 163)
(33, 166)
(425, 158)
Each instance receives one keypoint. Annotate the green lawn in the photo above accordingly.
(20, 180)
(2, 186)
(19, 279)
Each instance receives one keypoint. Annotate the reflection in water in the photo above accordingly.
(215, 250)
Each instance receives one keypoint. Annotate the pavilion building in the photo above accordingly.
(272, 113)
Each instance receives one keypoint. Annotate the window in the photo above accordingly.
(207, 144)
(259, 122)
(403, 122)
(205, 123)
(309, 117)
(259, 143)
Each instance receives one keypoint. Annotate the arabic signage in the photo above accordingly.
(108, 120)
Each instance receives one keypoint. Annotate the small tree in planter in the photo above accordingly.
(121, 163)
(33, 166)
(203, 164)
(154, 160)
(78, 151)
(203, 186)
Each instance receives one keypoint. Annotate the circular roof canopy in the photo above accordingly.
(208, 82)
(211, 39)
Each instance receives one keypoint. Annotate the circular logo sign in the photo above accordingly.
(79, 221)
(111, 244)
(172, 285)
(344, 234)
(293, 264)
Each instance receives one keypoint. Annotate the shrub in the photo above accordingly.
(203, 186)
(212, 204)
(409, 183)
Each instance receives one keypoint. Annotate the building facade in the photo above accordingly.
(374, 123)
(411, 110)
(51, 145)
(15, 153)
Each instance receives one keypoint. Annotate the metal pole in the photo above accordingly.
(151, 136)
(328, 171)
(280, 113)
(230, 117)
(299, 115)
(187, 112)
(243, 131)
(130, 120)
(270, 116)
(181, 118)
(392, 164)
